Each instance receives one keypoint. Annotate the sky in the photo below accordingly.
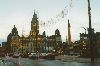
(20, 13)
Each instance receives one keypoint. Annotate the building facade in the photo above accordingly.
(34, 42)
(13, 41)
(85, 46)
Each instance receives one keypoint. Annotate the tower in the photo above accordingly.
(69, 34)
(14, 31)
(34, 33)
(34, 25)
(14, 39)
(58, 39)
(57, 32)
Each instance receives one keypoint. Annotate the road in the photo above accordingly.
(40, 62)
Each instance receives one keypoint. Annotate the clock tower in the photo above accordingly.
(34, 26)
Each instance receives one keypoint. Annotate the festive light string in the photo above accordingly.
(57, 18)
(71, 3)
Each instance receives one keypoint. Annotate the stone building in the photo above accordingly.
(13, 40)
(54, 42)
(34, 42)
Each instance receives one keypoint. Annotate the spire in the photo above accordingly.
(34, 11)
(14, 26)
(14, 31)
(44, 33)
(35, 15)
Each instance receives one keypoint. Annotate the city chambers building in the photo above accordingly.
(34, 42)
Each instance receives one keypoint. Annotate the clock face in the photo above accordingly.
(34, 33)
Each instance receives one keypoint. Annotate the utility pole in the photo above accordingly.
(90, 34)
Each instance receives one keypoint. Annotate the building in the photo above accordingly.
(98, 41)
(23, 44)
(13, 41)
(85, 46)
(54, 42)
(34, 42)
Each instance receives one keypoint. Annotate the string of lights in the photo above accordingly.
(58, 18)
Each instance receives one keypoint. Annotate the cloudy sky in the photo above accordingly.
(20, 13)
